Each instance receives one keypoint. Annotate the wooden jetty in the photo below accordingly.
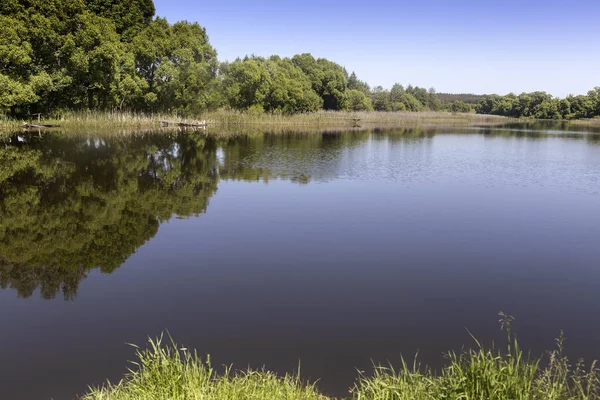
(184, 124)
(39, 126)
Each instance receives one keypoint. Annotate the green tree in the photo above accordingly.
(357, 101)
(290, 89)
(246, 83)
(329, 80)
(594, 96)
(356, 84)
(397, 93)
(178, 65)
(129, 16)
(381, 99)
(581, 106)
(98, 63)
(459, 107)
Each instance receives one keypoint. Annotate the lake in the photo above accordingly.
(333, 249)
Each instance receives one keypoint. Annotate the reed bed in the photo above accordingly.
(96, 120)
(595, 122)
(349, 119)
(106, 119)
(8, 124)
(228, 123)
(170, 372)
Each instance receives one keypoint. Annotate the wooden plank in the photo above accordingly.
(39, 126)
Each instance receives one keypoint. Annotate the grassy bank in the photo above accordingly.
(169, 372)
(233, 119)
(589, 122)
(92, 120)
(349, 119)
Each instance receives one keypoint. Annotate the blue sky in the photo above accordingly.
(454, 46)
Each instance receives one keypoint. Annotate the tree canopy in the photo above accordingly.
(116, 55)
(542, 105)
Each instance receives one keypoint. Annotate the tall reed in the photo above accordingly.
(97, 120)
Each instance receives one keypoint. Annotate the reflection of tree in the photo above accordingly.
(295, 156)
(593, 138)
(69, 205)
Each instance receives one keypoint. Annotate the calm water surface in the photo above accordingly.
(334, 249)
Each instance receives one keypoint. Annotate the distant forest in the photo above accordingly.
(468, 98)
(116, 55)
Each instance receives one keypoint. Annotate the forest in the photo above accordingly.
(80, 55)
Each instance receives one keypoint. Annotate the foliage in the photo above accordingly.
(413, 98)
(459, 107)
(542, 105)
(177, 68)
(356, 84)
(274, 85)
(169, 372)
(129, 16)
(106, 55)
(468, 98)
(329, 80)
(101, 55)
(358, 101)
(172, 372)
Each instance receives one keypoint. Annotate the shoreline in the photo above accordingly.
(234, 123)
(224, 119)
(167, 371)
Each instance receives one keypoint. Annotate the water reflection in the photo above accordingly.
(73, 203)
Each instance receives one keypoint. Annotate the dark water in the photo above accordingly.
(334, 249)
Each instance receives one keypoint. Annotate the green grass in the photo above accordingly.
(231, 120)
(224, 119)
(172, 372)
(590, 121)
(486, 374)
(347, 119)
(169, 372)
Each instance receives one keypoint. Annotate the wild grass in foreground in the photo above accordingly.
(486, 374)
(173, 373)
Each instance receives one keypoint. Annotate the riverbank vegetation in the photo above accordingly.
(223, 119)
(173, 372)
(59, 56)
(541, 105)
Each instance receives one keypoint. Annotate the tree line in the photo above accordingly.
(116, 55)
(541, 105)
(107, 55)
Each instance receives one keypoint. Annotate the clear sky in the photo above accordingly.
(485, 46)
